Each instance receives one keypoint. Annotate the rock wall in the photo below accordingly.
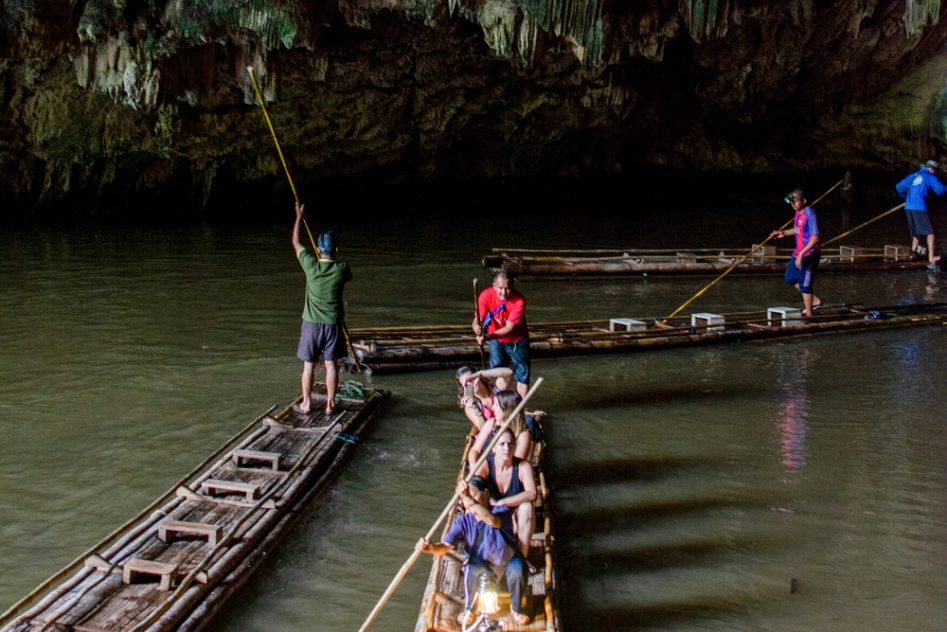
(109, 103)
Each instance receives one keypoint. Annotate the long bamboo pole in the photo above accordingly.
(849, 232)
(279, 150)
(747, 256)
(483, 359)
(450, 505)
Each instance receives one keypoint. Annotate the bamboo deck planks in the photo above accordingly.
(177, 582)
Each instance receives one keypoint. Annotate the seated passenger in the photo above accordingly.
(512, 484)
(489, 543)
(481, 386)
(525, 431)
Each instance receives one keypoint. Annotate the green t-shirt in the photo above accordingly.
(325, 279)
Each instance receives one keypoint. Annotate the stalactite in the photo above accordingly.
(937, 125)
(580, 19)
(918, 13)
(498, 20)
(518, 28)
(706, 19)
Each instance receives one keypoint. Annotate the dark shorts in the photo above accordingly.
(317, 339)
(919, 223)
(515, 353)
(803, 276)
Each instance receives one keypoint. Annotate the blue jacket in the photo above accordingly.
(917, 186)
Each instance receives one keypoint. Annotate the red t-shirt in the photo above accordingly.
(513, 311)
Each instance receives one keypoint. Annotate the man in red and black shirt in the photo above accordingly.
(502, 310)
(805, 258)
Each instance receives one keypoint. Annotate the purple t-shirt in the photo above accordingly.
(806, 226)
(495, 547)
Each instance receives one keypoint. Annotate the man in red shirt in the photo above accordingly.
(502, 310)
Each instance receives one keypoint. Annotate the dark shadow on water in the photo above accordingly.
(612, 471)
(654, 557)
(605, 519)
(650, 397)
(617, 619)
(600, 545)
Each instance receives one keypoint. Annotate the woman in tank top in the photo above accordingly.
(512, 484)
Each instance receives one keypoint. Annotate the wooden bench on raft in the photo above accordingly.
(273, 458)
(168, 573)
(252, 490)
(211, 531)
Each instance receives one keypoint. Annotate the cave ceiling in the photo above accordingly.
(110, 98)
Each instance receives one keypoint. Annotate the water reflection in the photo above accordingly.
(794, 414)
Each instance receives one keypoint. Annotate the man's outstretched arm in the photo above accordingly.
(300, 212)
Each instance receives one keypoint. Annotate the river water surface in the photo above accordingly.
(691, 486)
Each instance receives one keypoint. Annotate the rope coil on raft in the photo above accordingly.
(352, 389)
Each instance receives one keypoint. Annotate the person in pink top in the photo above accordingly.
(476, 391)
(502, 310)
(805, 258)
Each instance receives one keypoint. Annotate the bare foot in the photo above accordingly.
(933, 259)
(299, 408)
(519, 618)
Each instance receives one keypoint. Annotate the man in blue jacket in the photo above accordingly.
(915, 189)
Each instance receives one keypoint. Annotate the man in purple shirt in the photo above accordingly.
(915, 189)
(490, 545)
(805, 258)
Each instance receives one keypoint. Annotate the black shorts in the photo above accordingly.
(919, 223)
(317, 339)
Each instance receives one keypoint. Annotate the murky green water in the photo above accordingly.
(692, 485)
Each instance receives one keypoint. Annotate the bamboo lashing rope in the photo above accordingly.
(849, 232)
(415, 554)
(747, 256)
(279, 150)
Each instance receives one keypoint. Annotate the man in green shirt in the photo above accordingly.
(322, 314)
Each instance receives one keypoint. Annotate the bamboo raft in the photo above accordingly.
(425, 348)
(768, 260)
(443, 597)
(174, 565)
